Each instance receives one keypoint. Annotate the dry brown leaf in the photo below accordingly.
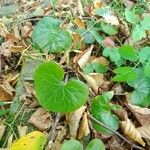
(2, 129)
(22, 130)
(84, 127)
(25, 30)
(94, 80)
(98, 4)
(17, 49)
(130, 130)
(73, 120)
(79, 22)
(145, 131)
(3, 29)
(41, 119)
(142, 114)
(6, 91)
(85, 57)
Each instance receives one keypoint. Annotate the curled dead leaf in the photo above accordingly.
(80, 7)
(22, 130)
(2, 129)
(41, 119)
(73, 120)
(94, 80)
(132, 132)
(84, 127)
(85, 57)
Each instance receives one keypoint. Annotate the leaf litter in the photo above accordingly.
(92, 26)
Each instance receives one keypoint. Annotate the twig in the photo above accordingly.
(52, 132)
(116, 133)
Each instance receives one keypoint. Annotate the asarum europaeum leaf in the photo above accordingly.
(50, 37)
(55, 95)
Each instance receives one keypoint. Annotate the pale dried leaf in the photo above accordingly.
(73, 120)
(145, 131)
(113, 20)
(22, 130)
(2, 129)
(10, 141)
(80, 7)
(85, 57)
(130, 130)
(94, 80)
(142, 114)
(101, 60)
(84, 127)
(41, 119)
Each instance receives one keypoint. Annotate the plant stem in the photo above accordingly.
(116, 133)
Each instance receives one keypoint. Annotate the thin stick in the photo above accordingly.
(116, 133)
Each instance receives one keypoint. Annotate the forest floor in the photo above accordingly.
(100, 48)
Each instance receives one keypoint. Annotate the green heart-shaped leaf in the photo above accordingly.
(50, 37)
(55, 95)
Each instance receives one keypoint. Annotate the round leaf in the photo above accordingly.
(72, 145)
(50, 37)
(55, 95)
(96, 144)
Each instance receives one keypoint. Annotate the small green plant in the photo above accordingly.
(55, 95)
(95, 144)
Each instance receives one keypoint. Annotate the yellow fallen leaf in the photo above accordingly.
(32, 141)
(130, 130)
(79, 22)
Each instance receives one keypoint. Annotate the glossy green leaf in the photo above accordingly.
(108, 119)
(141, 95)
(124, 74)
(55, 95)
(94, 67)
(127, 52)
(109, 29)
(96, 144)
(144, 54)
(138, 33)
(145, 23)
(50, 37)
(72, 145)
(131, 17)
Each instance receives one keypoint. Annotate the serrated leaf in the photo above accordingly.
(72, 145)
(114, 55)
(109, 29)
(94, 67)
(131, 17)
(96, 144)
(34, 140)
(124, 74)
(50, 37)
(144, 54)
(141, 95)
(53, 94)
(127, 52)
(138, 33)
(145, 23)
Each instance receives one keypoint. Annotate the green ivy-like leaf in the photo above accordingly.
(72, 145)
(50, 37)
(145, 23)
(96, 144)
(55, 95)
(127, 52)
(124, 74)
(109, 29)
(138, 33)
(141, 95)
(131, 17)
